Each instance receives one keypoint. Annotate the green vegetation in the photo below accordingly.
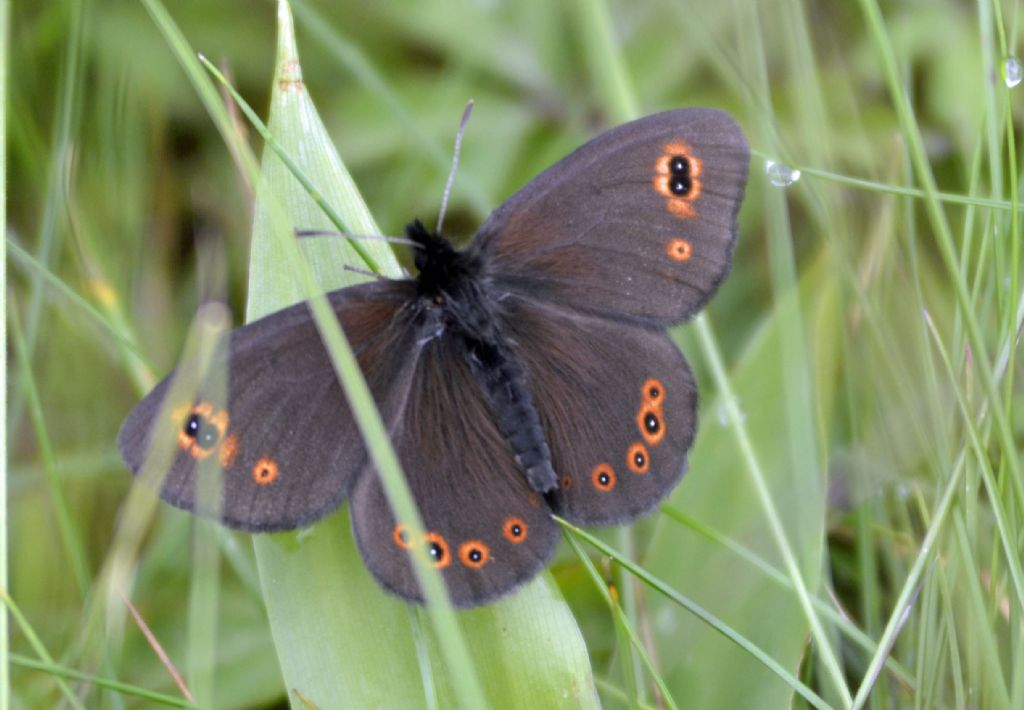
(850, 531)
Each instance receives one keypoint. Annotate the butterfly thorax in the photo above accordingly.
(451, 290)
(454, 295)
(443, 269)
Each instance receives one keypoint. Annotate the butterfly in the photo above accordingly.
(527, 375)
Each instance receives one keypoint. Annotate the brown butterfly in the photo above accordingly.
(526, 375)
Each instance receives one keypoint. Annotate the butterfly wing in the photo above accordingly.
(618, 405)
(637, 224)
(488, 531)
(285, 438)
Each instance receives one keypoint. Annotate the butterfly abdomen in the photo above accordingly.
(503, 380)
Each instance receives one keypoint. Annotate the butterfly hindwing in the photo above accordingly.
(489, 532)
(637, 224)
(285, 438)
(618, 405)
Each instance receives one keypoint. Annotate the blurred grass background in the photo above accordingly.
(868, 332)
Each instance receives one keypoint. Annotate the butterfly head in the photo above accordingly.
(443, 269)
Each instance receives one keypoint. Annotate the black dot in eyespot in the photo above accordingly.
(475, 555)
(654, 392)
(517, 530)
(679, 164)
(639, 459)
(603, 478)
(436, 552)
(680, 185)
(651, 423)
(196, 427)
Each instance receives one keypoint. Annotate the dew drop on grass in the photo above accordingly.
(1013, 72)
(722, 413)
(780, 174)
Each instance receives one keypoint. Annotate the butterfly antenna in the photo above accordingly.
(455, 163)
(365, 272)
(302, 233)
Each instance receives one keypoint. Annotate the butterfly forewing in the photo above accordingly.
(487, 532)
(285, 438)
(638, 224)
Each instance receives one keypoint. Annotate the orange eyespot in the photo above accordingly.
(637, 459)
(677, 177)
(514, 530)
(201, 428)
(401, 536)
(653, 392)
(474, 554)
(265, 471)
(533, 499)
(650, 424)
(679, 250)
(603, 477)
(438, 551)
(565, 482)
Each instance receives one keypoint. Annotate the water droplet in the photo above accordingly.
(722, 413)
(1012, 71)
(780, 174)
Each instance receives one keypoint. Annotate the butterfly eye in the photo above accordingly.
(514, 530)
(603, 477)
(474, 554)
